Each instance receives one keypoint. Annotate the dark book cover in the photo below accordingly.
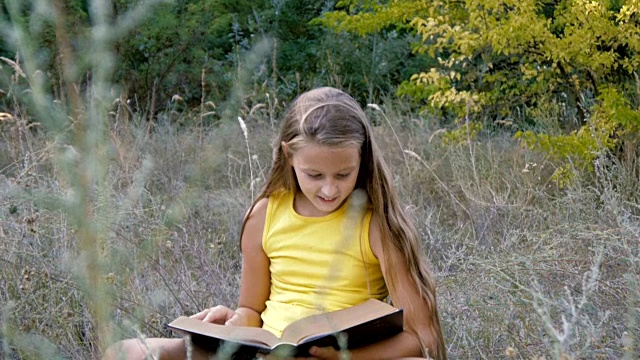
(237, 343)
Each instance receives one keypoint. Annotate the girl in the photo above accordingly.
(327, 232)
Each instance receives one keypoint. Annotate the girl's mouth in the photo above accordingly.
(327, 201)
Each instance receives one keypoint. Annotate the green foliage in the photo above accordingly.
(500, 59)
(513, 53)
(506, 51)
(168, 54)
(199, 49)
(34, 18)
(368, 67)
(465, 133)
(366, 17)
(612, 123)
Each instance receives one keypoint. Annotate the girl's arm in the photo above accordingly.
(255, 283)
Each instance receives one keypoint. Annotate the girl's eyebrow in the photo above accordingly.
(346, 169)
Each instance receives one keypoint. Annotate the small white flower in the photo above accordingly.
(243, 127)
(374, 107)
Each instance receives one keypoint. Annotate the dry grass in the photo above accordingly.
(522, 266)
(112, 226)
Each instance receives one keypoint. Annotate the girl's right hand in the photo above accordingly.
(221, 315)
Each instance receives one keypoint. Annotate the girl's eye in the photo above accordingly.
(342, 176)
(314, 176)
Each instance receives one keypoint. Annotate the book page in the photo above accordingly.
(335, 321)
(241, 334)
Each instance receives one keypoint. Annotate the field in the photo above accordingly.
(119, 213)
(141, 225)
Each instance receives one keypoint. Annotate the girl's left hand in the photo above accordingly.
(325, 353)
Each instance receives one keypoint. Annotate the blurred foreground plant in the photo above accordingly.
(76, 122)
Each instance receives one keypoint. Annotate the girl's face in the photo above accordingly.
(326, 175)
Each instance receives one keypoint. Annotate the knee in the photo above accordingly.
(138, 349)
(124, 350)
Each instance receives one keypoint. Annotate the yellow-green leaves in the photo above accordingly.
(501, 57)
(370, 16)
(585, 44)
(612, 122)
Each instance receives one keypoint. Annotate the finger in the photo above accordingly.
(212, 315)
(217, 315)
(200, 315)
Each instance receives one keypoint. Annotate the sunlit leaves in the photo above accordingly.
(500, 56)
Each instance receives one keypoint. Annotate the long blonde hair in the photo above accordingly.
(328, 116)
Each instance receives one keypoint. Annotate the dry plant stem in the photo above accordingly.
(395, 135)
(20, 149)
(472, 153)
(21, 153)
(631, 340)
(96, 141)
(274, 67)
(82, 211)
(243, 126)
(561, 338)
(202, 97)
(455, 199)
(152, 106)
(68, 65)
(272, 108)
(202, 90)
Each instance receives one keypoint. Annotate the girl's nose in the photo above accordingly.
(329, 189)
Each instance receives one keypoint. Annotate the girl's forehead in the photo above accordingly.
(317, 149)
(315, 154)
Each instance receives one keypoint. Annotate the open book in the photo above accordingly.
(363, 324)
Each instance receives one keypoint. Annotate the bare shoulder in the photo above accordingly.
(259, 210)
(254, 226)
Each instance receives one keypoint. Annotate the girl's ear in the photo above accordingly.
(286, 152)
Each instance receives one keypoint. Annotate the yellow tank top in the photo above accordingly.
(318, 264)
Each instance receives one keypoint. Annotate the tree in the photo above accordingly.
(501, 58)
